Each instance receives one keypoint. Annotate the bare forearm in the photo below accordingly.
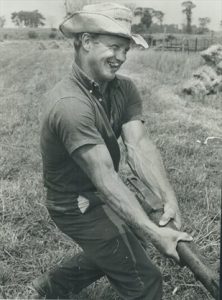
(117, 195)
(146, 163)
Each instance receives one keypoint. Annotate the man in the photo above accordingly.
(83, 117)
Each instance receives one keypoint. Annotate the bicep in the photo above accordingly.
(133, 132)
(95, 161)
(134, 136)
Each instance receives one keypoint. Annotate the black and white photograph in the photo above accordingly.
(110, 149)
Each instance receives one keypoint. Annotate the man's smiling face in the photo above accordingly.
(106, 56)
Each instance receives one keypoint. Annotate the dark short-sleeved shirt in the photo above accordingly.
(70, 121)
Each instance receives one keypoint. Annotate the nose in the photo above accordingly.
(121, 55)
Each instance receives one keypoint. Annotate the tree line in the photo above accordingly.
(25, 19)
(149, 20)
(148, 16)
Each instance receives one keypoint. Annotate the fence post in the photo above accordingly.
(196, 45)
(183, 44)
(164, 37)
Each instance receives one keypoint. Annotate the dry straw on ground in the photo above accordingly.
(30, 242)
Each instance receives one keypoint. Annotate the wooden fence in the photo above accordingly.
(183, 45)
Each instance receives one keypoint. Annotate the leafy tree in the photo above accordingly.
(146, 19)
(137, 28)
(28, 18)
(188, 6)
(2, 21)
(150, 10)
(203, 22)
(16, 20)
(158, 14)
(138, 11)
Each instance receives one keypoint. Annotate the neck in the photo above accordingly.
(82, 64)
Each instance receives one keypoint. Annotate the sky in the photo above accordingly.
(54, 10)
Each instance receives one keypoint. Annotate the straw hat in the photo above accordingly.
(102, 18)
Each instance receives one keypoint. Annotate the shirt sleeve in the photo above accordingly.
(134, 107)
(73, 122)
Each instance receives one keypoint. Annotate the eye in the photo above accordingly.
(114, 47)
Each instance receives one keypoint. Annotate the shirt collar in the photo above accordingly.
(89, 83)
(82, 77)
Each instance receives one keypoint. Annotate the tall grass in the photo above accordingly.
(30, 242)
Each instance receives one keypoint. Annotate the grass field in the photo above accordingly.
(23, 33)
(29, 241)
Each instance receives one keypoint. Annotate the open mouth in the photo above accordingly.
(114, 66)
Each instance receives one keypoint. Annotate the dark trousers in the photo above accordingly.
(110, 248)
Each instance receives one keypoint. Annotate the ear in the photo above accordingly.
(86, 41)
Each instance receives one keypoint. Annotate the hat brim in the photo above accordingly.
(82, 21)
(139, 40)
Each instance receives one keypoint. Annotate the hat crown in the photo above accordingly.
(120, 13)
(113, 10)
(101, 18)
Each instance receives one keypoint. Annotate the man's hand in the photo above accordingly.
(171, 212)
(167, 240)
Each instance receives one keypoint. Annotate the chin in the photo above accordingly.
(110, 76)
(106, 76)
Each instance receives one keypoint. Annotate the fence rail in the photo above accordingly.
(183, 45)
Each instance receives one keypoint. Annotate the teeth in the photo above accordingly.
(114, 64)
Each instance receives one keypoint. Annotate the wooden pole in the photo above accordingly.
(183, 44)
(188, 46)
(196, 45)
(164, 36)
